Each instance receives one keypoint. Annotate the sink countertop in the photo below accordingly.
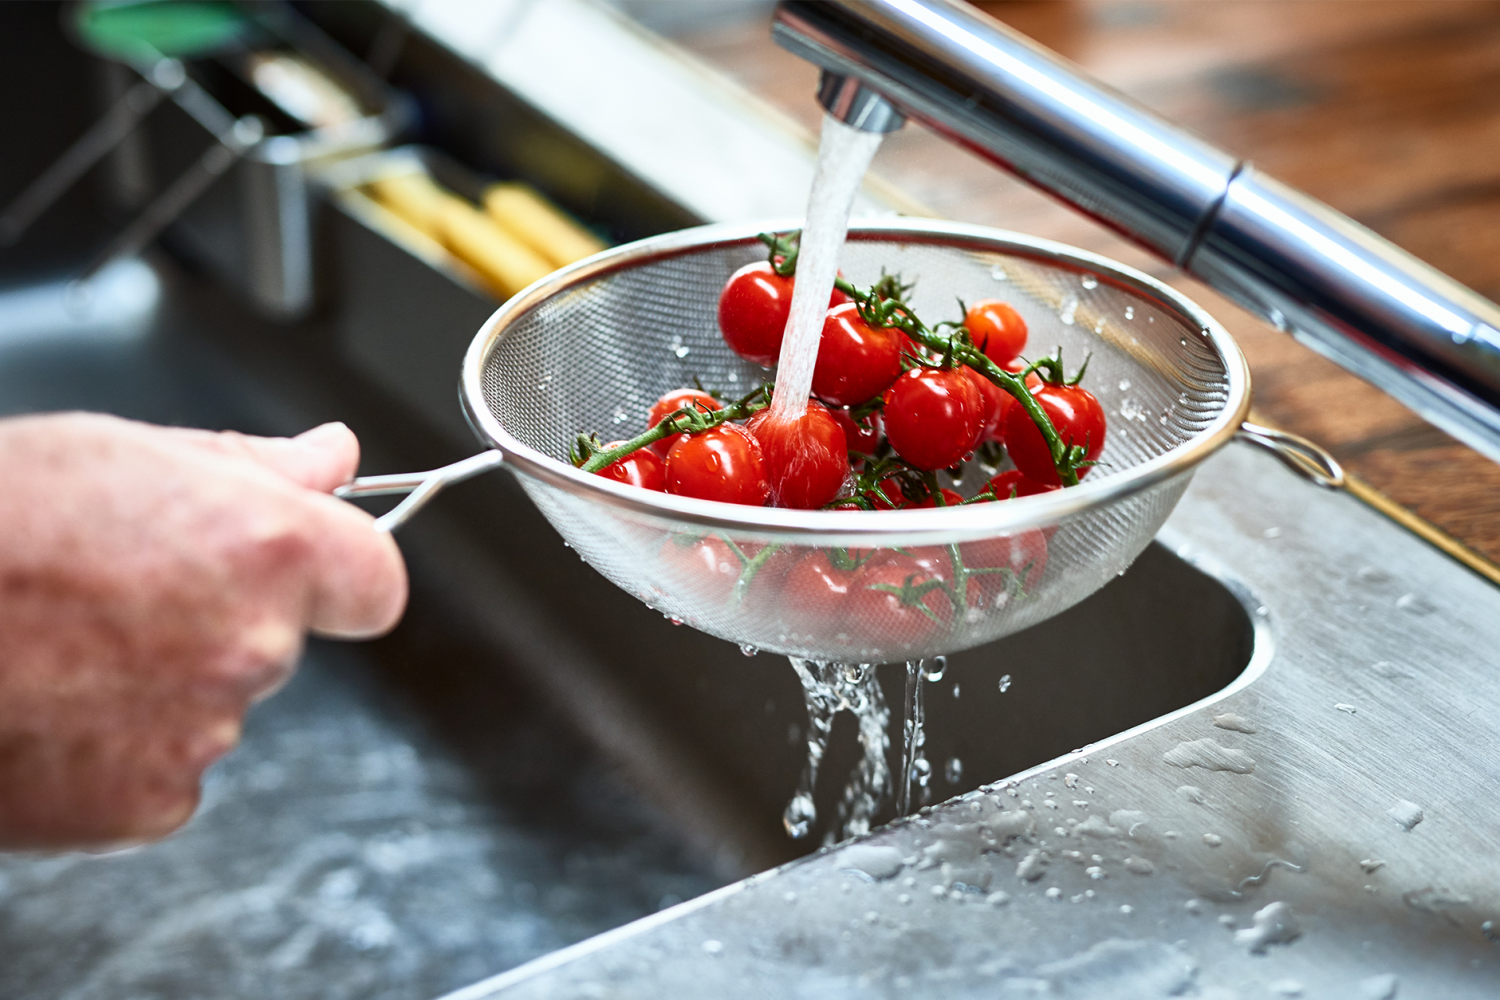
(1193, 853)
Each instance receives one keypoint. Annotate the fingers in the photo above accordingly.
(358, 587)
(318, 459)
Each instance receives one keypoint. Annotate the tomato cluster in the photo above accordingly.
(895, 404)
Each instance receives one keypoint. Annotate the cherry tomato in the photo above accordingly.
(996, 329)
(723, 463)
(813, 592)
(753, 310)
(1011, 484)
(886, 608)
(706, 567)
(807, 459)
(1079, 420)
(856, 362)
(950, 499)
(669, 404)
(861, 435)
(643, 468)
(994, 399)
(933, 416)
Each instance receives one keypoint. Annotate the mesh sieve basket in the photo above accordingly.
(591, 347)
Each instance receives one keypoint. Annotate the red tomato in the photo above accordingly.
(669, 404)
(1010, 484)
(933, 416)
(643, 468)
(856, 362)
(950, 499)
(807, 459)
(881, 610)
(723, 463)
(707, 567)
(813, 592)
(994, 399)
(753, 310)
(996, 329)
(1079, 420)
(861, 435)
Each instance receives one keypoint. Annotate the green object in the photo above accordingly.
(133, 30)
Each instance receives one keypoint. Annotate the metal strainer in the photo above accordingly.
(590, 347)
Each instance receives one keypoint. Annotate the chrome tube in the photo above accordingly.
(1346, 292)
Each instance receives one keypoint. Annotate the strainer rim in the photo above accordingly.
(824, 527)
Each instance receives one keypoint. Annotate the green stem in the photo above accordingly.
(688, 420)
(957, 346)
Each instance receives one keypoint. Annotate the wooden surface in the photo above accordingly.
(1386, 109)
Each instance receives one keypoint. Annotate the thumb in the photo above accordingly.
(318, 459)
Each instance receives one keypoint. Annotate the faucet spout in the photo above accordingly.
(1346, 292)
(856, 105)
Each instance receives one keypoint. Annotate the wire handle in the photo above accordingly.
(1296, 453)
(419, 487)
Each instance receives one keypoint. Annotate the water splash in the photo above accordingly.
(827, 689)
(844, 153)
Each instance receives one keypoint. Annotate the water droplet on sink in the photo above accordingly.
(1004, 683)
(713, 947)
(1271, 533)
(1130, 312)
(1212, 839)
(1089, 281)
(998, 273)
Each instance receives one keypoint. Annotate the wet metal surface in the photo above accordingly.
(1267, 843)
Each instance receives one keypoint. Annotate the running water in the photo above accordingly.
(844, 153)
(915, 768)
(830, 688)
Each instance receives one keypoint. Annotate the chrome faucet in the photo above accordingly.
(1337, 287)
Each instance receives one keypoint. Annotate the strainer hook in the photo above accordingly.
(419, 487)
(1296, 453)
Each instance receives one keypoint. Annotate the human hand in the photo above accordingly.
(153, 583)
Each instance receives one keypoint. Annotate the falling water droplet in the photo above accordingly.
(953, 771)
(1005, 683)
(748, 649)
(955, 689)
(799, 816)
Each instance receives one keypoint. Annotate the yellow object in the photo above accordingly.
(507, 263)
(413, 196)
(538, 223)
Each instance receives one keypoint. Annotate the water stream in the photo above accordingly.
(844, 154)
